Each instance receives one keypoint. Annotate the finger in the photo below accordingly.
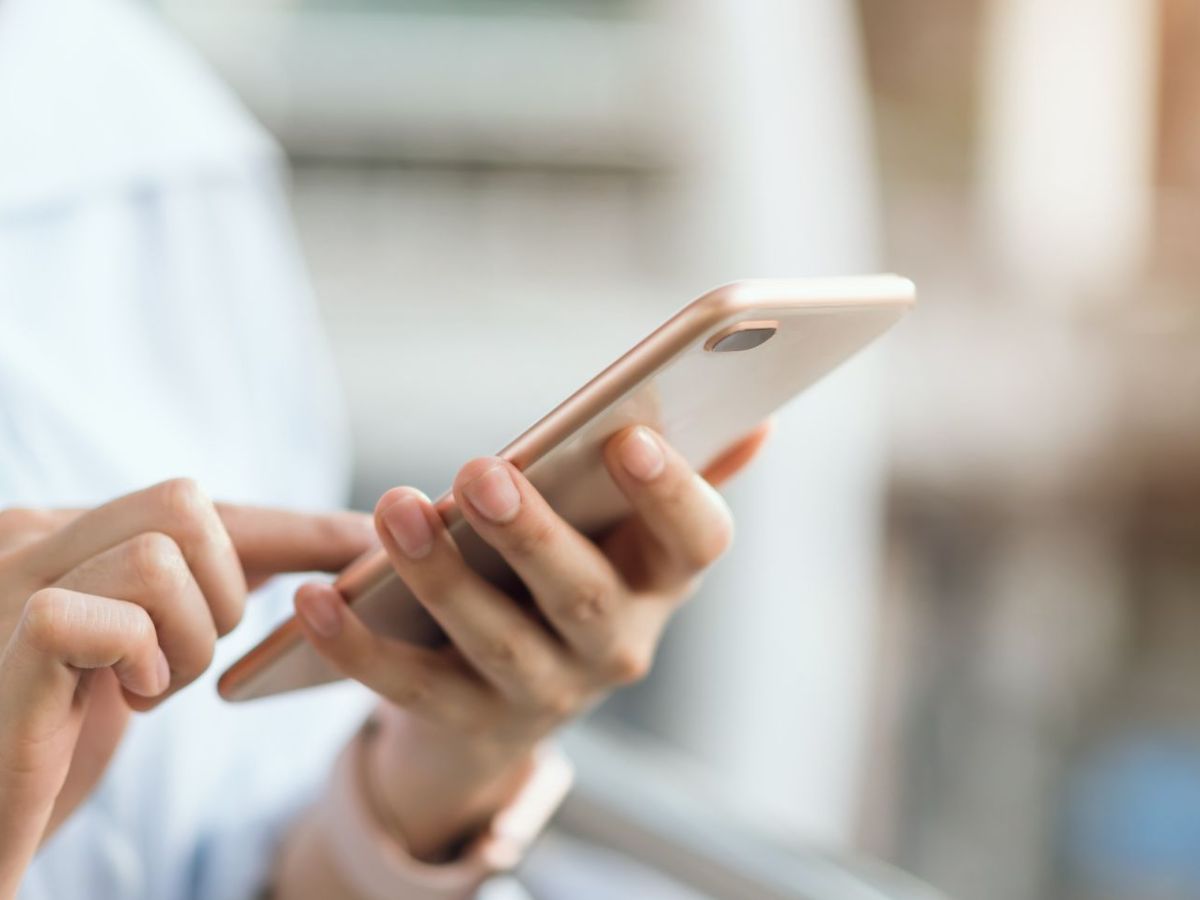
(270, 541)
(687, 520)
(502, 641)
(20, 526)
(574, 584)
(150, 571)
(61, 632)
(739, 455)
(178, 508)
(417, 679)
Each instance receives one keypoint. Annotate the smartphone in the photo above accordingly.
(702, 380)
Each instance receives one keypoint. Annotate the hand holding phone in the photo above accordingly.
(545, 576)
(707, 376)
(517, 665)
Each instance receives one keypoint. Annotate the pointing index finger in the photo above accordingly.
(269, 541)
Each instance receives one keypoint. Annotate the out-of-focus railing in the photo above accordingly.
(643, 802)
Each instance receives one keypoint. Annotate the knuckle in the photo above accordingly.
(468, 721)
(628, 665)
(588, 602)
(184, 502)
(473, 716)
(559, 704)
(156, 561)
(440, 588)
(413, 692)
(337, 531)
(675, 490)
(502, 652)
(519, 662)
(532, 537)
(46, 618)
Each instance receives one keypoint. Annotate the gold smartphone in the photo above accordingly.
(705, 378)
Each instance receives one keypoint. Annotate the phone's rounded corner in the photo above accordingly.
(228, 685)
(365, 572)
(903, 290)
(738, 297)
(724, 301)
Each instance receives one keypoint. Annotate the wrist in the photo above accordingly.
(434, 746)
(433, 789)
(340, 850)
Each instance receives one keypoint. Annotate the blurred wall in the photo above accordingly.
(1035, 735)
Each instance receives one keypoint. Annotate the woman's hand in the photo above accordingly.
(114, 609)
(517, 670)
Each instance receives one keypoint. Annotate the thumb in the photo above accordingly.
(270, 541)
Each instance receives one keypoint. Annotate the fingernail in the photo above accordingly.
(494, 494)
(322, 612)
(641, 455)
(408, 526)
(162, 672)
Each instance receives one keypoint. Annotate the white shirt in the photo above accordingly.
(155, 321)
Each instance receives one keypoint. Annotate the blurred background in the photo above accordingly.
(960, 630)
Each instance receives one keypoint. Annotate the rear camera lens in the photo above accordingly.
(742, 339)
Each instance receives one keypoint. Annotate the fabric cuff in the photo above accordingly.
(377, 865)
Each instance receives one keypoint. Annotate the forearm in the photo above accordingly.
(24, 815)
(17, 847)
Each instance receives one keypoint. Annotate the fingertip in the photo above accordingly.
(391, 497)
(639, 452)
(146, 683)
(491, 489)
(162, 671)
(320, 609)
(406, 522)
(350, 645)
(141, 703)
(137, 702)
(477, 467)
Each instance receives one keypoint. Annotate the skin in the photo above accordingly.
(515, 673)
(112, 610)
